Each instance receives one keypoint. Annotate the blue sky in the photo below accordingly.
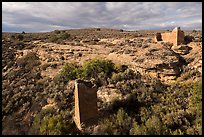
(49, 16)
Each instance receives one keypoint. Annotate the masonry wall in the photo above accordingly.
(170, 37)
(85, 103)
(176, 36)
(180, 37)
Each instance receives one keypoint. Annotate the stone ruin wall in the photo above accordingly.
(180, 37)
(85, 103)
(176, 36)
(169, 37)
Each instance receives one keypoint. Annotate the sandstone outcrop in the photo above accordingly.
(181, 49)
(160, 62)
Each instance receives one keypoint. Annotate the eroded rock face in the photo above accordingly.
(160, 62)
(181, 49)
(194, 57)
(85, 103)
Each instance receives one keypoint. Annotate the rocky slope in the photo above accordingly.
(29, 67)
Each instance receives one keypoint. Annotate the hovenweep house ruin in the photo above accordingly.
(176, 36)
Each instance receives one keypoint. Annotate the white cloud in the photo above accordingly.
(44, 16)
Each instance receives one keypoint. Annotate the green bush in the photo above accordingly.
(97, 68)
(154, 126)
(52, 124)
(20, 37)
(28, 61)
(138, 130)
(195, 106)
(194, 31)
(116, 77)
(92, 68)
(188, 39)
(64, 36)
(45, 66)
(68, 72)
(53, 39)
(126, 74)
(176, 132)
(59, 37)
(118, 124)
(121, 68)
(57, 31)
(196, 97)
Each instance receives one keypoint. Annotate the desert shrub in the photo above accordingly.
(44, 81)
(57, 31)
(118, 124)
(116, 77)
(68, 72)
(138, 129)
(196, 97)
(98, 29)
(53, 65)
(121, 68)
(154, 126)
(10, 64)
(59, 37)
(98, 69)
(54, 124)
(28, 61)
(13, 37)
(20, 45)
(45, 66)
(32, 56)
(50, 59)
(121, 30)
(20, 37)
(92, 68)
(51, 125)
(195, 106)
(35, 75)
(176, 132)
(188, 39)
(53, 39)
(61, 58)
(184, 76)
(64, 36)
(194, 31)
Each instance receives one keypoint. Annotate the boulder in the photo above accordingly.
(181, 49)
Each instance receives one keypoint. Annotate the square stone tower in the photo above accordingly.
(85, 103)
(178, 35)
